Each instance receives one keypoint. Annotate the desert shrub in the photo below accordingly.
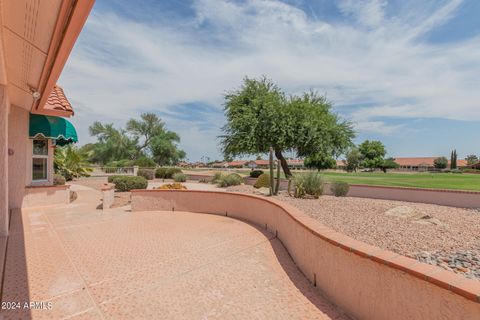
(112, 178)
(127, 183)
(172, 186)
(471, 171)
(308, 184)
(145, 162)
(171, 171)
(148, 174)
(160, 173)
(232, 179)
(339, 188)
(256, 173)
(203, 180)
(263, 181)
(59, 180)
(179, 177)
(217, 176)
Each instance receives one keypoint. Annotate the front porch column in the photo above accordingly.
(3, 161)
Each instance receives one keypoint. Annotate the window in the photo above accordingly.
(40, 160)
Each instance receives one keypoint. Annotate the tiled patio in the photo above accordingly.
(114, 264)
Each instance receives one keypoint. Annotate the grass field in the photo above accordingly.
(453, 181)
(419, 180)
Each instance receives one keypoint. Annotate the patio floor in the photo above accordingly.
(85, 263)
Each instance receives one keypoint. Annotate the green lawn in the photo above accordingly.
(454, 181)
(463, 181)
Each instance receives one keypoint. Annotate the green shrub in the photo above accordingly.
(148, 174)
(339, 188)
(456, 171)
(145, 162)
(59, 180)
(160, 173)
(217, 176)
(256, 173)
(308, 184)
(171, 171)
(179, 177)
(232, 179)
(127, 183)
(112, 178)
(263, 181)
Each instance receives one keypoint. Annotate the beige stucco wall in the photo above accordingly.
(46, 196)
(368, 282)
(17, 163)
(4, 190)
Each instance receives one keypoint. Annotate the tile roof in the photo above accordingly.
(58, 101)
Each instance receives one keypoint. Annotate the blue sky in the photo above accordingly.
(404, 72)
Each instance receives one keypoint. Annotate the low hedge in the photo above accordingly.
(166, 173)
(256, 173)
(127, 183)
(112, 178)
(148, 174)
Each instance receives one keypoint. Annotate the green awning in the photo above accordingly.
(55, 128)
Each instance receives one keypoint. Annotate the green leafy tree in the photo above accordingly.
(146, 137)
(352, 160)
(372, 154)
(113, 144)
(389, 164)
(155, 140)
(260, 116)
(440, 163)
(471, 159)
(320, 162)
(71, 163)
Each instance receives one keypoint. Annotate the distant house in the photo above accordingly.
(219, 165)
(423, 163)
(237, 164)
(475, 166)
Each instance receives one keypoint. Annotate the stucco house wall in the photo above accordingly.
(17, 161)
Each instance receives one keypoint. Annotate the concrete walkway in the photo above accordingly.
(78, 262)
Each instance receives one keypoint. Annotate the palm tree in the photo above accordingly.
(71, 163)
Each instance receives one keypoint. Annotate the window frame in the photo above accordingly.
(38, 156)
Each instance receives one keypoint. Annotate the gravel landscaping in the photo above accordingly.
(438, 235)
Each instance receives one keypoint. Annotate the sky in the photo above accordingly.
(405, 72)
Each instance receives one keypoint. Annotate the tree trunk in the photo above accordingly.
(283, 162)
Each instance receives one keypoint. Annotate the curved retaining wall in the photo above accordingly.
(369, 283)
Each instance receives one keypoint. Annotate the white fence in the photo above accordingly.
(113, 171)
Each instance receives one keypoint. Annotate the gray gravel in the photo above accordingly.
(452, 243)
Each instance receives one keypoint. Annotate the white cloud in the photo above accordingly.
(122, 67)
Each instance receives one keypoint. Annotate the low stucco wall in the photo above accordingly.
(39, 196)
(451, 198)
(366, 281)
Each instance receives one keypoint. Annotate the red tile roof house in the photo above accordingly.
(423, 163)
(36, 38)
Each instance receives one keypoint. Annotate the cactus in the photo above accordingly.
(277, 185)
(270, 161)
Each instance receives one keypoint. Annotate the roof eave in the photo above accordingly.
(68, 27)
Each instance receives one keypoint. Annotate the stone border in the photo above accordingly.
(43, 196)
(387, 265)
